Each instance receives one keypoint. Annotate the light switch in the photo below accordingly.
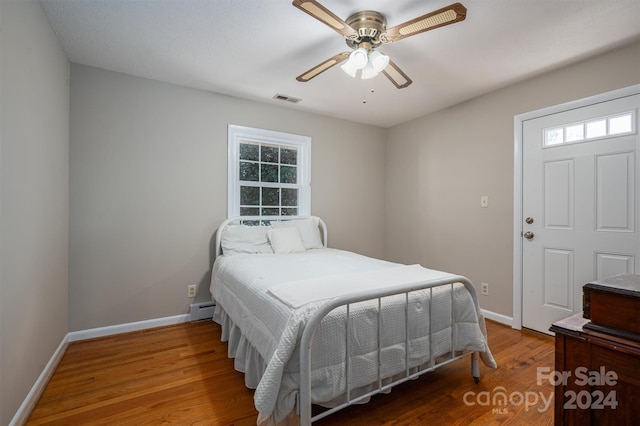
(484, 201)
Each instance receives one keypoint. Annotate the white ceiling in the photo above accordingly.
(254, 49)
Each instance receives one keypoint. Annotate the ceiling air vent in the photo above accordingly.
(286, 98)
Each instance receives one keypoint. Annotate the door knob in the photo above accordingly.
(528, 235)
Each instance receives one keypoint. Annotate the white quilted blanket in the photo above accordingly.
(299, 293)
(270, 297)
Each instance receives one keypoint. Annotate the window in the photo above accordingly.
(614, 125)
(269, 173)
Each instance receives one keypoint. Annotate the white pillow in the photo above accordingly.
(245, 239)
(308, 229)
(285, 240)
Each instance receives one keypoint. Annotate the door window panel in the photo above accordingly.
(621, 124)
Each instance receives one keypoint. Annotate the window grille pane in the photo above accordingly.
(289, 211)
(249, 211)
(288, 156)
(289, 197)
(575, 133)
(597, 129)
(270, 196)
(249, 151)
(269, 172)
(269, 154)
(554, 136)
(620, 124)
(249, 171)
(288, 174)
(249, 195)
(271, 211)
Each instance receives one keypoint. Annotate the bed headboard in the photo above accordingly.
(265, 221)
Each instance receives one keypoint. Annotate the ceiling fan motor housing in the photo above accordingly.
(369, 26)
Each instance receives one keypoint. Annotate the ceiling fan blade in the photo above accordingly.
(396, 75)
(325, 16)
(322, 67)
(441, 17)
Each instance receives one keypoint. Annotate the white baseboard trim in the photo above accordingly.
(497, 317)
(92, 333)
(22, 415)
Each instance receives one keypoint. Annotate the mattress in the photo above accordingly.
(268, 299)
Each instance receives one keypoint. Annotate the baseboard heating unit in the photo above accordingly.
(202, 310)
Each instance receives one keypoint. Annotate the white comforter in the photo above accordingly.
(270, 297)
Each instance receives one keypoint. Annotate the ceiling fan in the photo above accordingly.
(365, 31)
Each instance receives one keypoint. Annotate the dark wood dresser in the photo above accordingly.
(597, 366)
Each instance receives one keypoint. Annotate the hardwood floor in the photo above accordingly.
(180, 375)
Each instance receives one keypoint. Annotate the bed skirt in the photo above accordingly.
(246, 358)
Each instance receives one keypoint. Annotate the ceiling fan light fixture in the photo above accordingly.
(378, 61)
(371, 62)
(348, 68)
(368, 72)
(358, 58)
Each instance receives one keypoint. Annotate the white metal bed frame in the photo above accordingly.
(304, 403)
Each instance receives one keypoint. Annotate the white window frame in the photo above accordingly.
(238, 134)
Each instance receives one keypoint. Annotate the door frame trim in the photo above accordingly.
(518, 122)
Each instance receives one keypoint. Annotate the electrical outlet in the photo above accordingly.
(484, 201)
(484, 289)
(191, 290)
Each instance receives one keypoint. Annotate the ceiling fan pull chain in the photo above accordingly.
(364, 96)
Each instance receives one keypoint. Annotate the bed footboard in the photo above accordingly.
(305, 396)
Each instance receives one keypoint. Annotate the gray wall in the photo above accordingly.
(34, 167)
(439, 165)
(148, 187)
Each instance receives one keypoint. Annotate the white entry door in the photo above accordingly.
(581, 197)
